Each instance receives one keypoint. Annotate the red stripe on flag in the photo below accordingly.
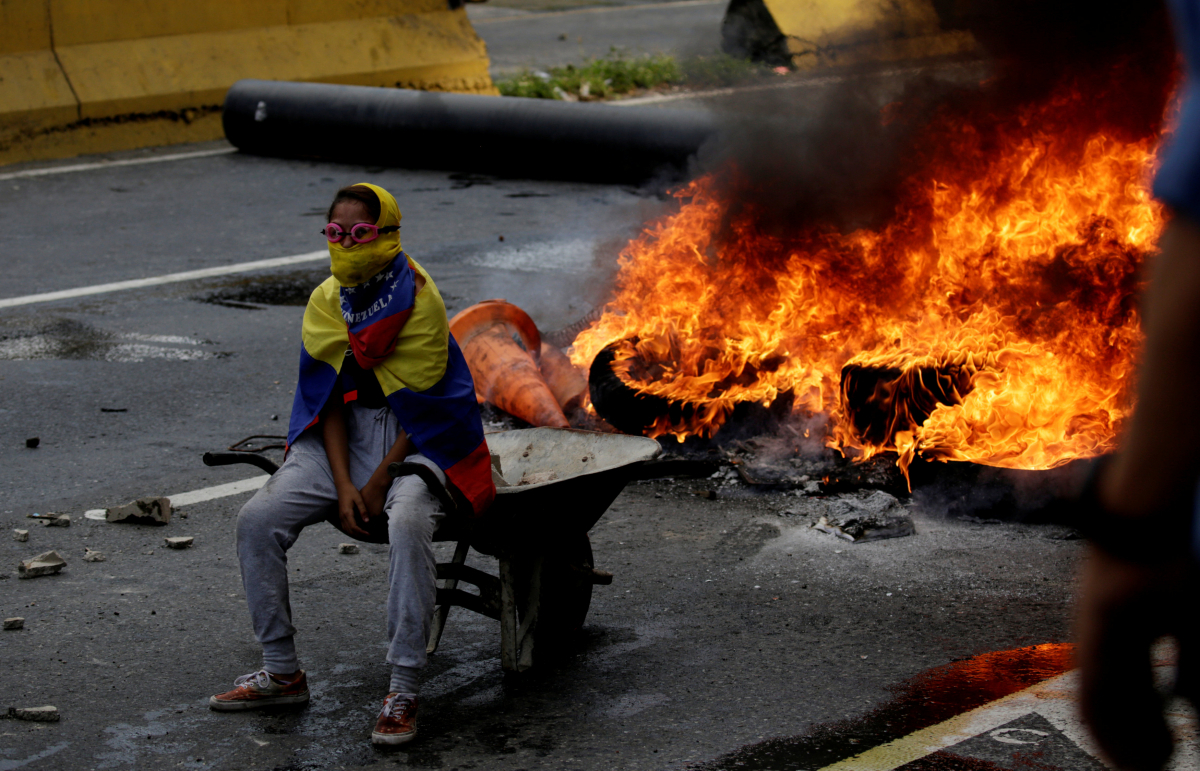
(288, 446)
(374, 344)
(473, 477)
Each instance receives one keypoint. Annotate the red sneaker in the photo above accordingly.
(397, 722)
(261, 689)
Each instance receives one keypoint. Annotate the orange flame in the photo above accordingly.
(1007, 273)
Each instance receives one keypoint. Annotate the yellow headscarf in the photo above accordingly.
(354, 265)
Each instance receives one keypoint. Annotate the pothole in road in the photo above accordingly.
(75, 340)
(256, 292)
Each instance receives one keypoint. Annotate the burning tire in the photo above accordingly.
(635, 412)
(627, 409)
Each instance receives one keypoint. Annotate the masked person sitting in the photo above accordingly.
(381, 381)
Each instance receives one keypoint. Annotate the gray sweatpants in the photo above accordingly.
(302, 493)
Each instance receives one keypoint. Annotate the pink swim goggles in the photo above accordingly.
(360, 233)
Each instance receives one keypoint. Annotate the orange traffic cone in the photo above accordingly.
(501, 344)
(567, 383)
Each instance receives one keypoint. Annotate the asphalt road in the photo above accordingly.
(530, 37)
(734, 635)
(728, 623)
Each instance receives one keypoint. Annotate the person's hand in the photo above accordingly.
(1123, 609)
(374, 495)
(350, 507)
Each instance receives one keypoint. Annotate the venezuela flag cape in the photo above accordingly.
(404, 336)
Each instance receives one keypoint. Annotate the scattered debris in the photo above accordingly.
(708, 495)
(156, 511)
(97, 514)
(45, 564)
(180, 542)
(16, 622)
(20, 535)
(32, 442)
(46, 714)
(869, 515)
(56, 520)
(91, 555)
(347, 548)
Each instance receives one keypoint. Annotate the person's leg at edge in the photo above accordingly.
(300, 494)
(413, 515)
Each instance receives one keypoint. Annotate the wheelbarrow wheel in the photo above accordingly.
(566, 592)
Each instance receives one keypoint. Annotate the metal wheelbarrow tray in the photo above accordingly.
(559, 483)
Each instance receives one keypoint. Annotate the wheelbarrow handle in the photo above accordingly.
(232, 458)
(426, 475)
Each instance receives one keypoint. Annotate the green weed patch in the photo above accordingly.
(617, 74)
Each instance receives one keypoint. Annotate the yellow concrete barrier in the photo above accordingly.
(811, 34)
(86, 76)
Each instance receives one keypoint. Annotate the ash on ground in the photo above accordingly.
(866, 515)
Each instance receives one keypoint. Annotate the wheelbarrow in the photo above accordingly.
(554, 484)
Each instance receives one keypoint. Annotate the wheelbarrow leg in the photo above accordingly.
(443, 611)
(517, 640)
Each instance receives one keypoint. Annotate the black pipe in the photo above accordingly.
(504, 136)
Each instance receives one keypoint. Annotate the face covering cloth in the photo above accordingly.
(356, 263)
(404, 337)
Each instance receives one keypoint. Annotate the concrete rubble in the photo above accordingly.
(14, 623)
(91, 555)
(46, 714)
(347, 548)
(21, 535)
(180, 542)
(56, 520)
(867, 515)
(45, 564)
(154, 511)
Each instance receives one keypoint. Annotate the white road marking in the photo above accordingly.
(112, 164)
(179, 500)
(170, 278)
(217, 491)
